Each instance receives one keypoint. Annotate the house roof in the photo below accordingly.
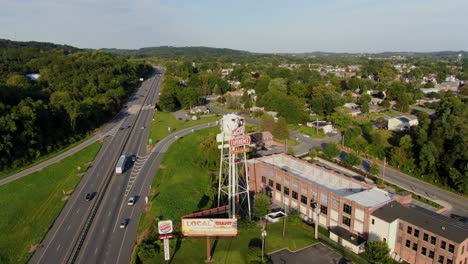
(347, 235)
(436, 223)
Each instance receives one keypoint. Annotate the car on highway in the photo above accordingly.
(124, 223)
(143, 127)
(131, 200)
(90, 196)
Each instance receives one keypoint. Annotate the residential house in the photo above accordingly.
(325, 126)
(402, 122)
(448, 86)
(201, 109)
(226, 72)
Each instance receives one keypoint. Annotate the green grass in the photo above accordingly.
(31, 204)
(8, 172)
(179, 189)
(162, 121)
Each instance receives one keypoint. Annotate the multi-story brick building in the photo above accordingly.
(345, 203)
(417, 235)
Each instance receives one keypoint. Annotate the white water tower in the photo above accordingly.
(233, 185)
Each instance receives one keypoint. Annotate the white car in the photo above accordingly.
(124, 223)
(131, 201)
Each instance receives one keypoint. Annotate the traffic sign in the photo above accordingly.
(239, 141)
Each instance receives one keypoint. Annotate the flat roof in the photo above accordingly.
(341, 185)
(436, 223)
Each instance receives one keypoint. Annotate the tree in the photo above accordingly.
(351, 159)
(261, 205)
(341, 119)
(331, 150)
(278, 84)
(374, 169)
(168, 102)
(280, 129)
(378, 252)
(267, 123)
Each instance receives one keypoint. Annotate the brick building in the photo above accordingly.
(417, 235)
(345, 203)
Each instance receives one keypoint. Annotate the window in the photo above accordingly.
(449, 261)
(347, 209)
(431, 254)
(270, 183)
(463, 249)
(416, 232)
(373, 221)
(409, 230)
(313, 204)
(346, 220)
(415, 246)
(324, 198)
(400, 226)
(323, 209)
(399, 239)
(443, 244)
(423, 251)
(384, 240)
(263, 179)
(286, 191)
(441, 259)
(303, 199)
(278, 187)
(433, 240)
(294, 195)
(426, 237)
(270, 173)
(295, 185)
(408, 243)
(451, 248)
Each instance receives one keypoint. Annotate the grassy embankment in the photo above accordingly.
(181, 187)
(31, 204)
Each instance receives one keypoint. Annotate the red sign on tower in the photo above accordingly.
(239, 141)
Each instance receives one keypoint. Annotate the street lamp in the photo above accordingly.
(264, 234)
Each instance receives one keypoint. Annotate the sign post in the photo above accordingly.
(165, 230)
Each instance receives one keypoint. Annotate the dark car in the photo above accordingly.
(90, 196)
(459, 218)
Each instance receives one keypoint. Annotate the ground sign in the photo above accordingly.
(209, 227)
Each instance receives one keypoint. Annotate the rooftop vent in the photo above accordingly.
(443, 227)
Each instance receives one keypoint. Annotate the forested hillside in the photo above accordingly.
(180, 52)
(76, 92)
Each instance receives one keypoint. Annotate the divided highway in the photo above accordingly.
(78, 219)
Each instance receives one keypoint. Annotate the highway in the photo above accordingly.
(67, 234)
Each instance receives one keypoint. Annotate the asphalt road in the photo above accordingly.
(67, 231)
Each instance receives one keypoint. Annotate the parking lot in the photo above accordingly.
(317, 253)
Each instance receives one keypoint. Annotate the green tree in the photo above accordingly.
(267, 123)
(351, 159)
(278, 84)
(378, 252)
(261, 205)
(280, 129)
(331, 150)
(375, 169)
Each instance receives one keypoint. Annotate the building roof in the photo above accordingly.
(331, 180)
(436, 223)
(347, 235)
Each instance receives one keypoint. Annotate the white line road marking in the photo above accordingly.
(58, 247)
(68, 227)
(95, 251)
(109, 213)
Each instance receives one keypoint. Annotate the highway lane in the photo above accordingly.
(122, 242)
(62, 237)
(108, 218)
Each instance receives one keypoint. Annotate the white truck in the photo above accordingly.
(119, 169)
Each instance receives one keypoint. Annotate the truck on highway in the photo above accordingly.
(120, 168)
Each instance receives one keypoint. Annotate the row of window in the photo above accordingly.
(346, 208)
(427, 253)
(443, 244)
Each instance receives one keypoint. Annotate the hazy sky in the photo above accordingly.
(263, 25)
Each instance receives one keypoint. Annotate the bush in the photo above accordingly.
(331, 150)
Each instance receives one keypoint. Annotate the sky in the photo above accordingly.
(256, 25)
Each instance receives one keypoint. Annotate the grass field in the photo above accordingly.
(162, 121)
(180, 188)
(30, 205)
(311, 132)
(6, 173)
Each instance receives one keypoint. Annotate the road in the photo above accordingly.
(71, 226)
(111, 244)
